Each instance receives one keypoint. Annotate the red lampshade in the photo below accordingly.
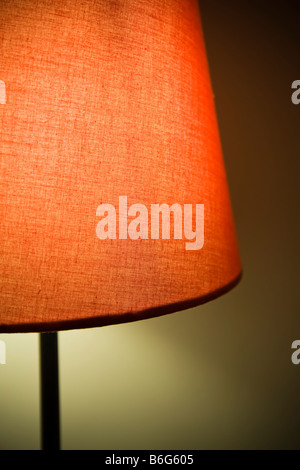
(114, 200)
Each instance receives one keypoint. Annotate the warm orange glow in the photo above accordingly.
(105, 99)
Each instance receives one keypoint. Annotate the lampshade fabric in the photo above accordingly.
(109, 146)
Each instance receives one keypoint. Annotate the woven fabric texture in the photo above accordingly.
(106, 98)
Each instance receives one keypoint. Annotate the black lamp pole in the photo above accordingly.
(49, 392)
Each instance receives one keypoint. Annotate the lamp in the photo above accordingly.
(114, 199)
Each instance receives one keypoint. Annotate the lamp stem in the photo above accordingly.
(49, 392)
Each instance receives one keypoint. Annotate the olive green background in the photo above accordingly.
(218, 376)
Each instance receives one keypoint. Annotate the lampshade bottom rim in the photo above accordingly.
(108, 320)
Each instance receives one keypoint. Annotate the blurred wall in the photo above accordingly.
(219, 376)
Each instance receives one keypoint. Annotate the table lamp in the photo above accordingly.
(114, 199)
